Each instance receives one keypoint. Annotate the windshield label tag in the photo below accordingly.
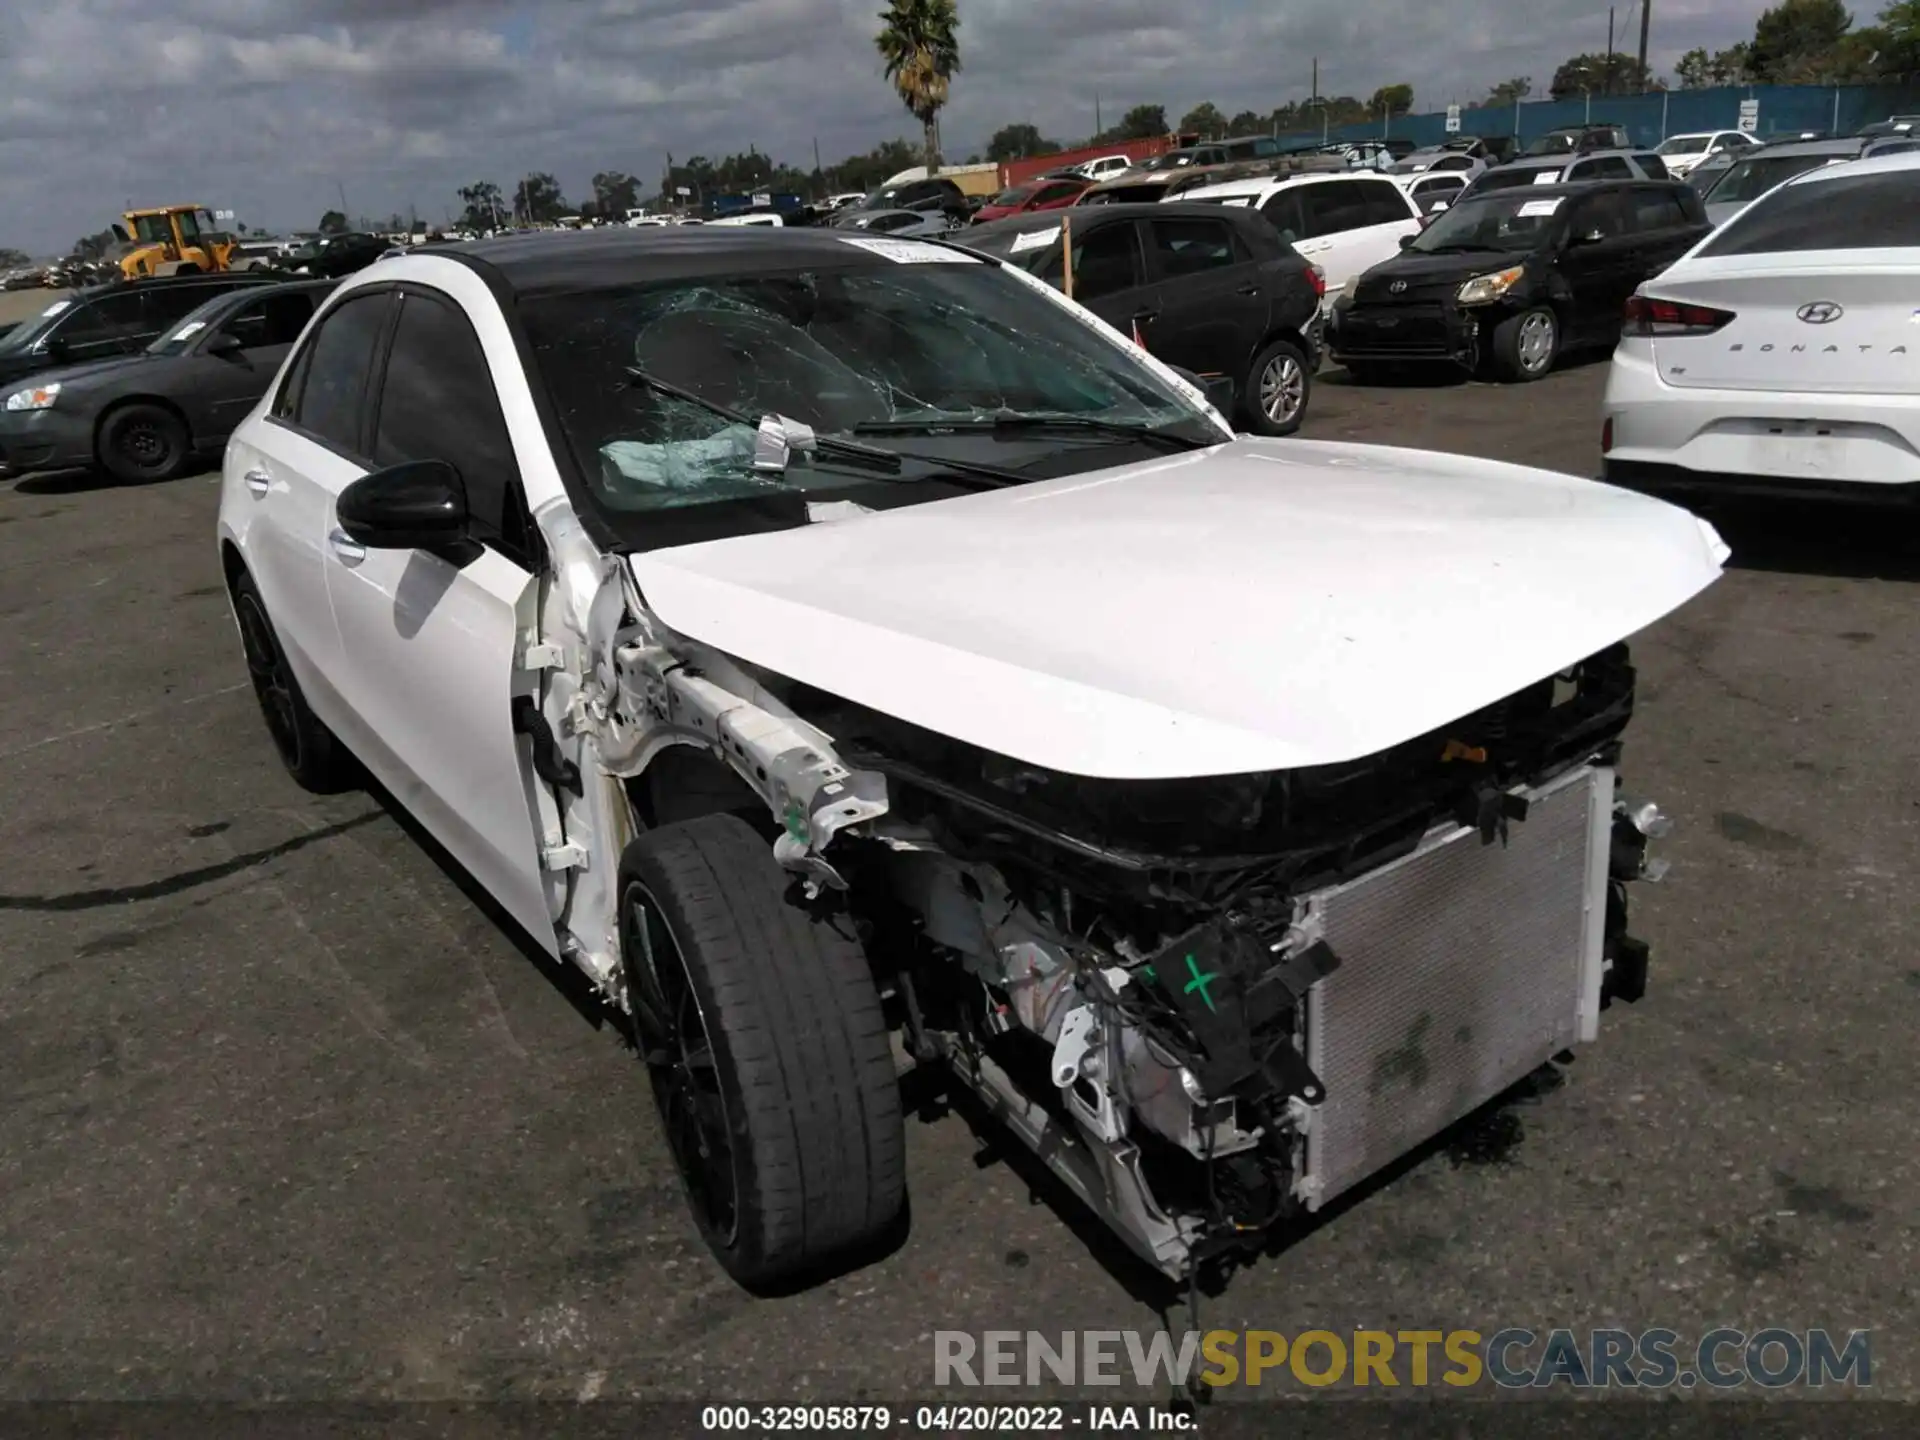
(1546, 177)
(55, 308)
(190, 329)
(1530, 208)
(910, 252)
(1035, 240)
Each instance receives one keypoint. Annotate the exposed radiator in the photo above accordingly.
(1464, 966)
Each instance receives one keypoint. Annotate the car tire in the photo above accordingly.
(1526, 345)
(136, 444)
(1277, 387)
(769, 1053)
(312, 754)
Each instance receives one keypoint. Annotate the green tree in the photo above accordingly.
(1391, 100)
(919, 44)
(1247, 122)
(1597, 74)
(1511, 92)
(14, 259)
(1016, 142)
(614, 193)
(1731, 66)
(484, 206)
(333, 223)
(537, 198)
(1694, 70)
(1900, 38)
(1142, 122)
(1795, 37)
(1204, 119)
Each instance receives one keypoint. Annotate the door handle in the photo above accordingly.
(349, 551)
(1248, 290)
(259, 482)
(1146, 315)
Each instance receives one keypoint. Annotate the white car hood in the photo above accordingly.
(1260, 605)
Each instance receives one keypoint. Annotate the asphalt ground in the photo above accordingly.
(18, 305)
(286, 1112)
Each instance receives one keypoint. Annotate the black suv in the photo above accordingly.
(332, 257)
(122, 317)
(1511, 279)
(1209, 289)
(927, 193)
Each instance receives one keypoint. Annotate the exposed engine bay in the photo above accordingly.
(1205, 1004)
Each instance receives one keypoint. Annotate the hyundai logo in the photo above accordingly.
(1399, 285)
(1820, 312)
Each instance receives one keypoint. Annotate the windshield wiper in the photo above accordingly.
(872, 456)
(1007, 426)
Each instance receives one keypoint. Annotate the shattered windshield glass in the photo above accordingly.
(943, 350)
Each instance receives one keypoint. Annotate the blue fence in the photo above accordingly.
(1650, 118)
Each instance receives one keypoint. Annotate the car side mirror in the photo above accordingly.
(58, 349)
(416, 505)
(225, 342)
(1406, 242)
(1589, 237)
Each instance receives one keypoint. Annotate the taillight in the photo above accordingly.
(1647, 315)
(1317, 278)
(1606, 436)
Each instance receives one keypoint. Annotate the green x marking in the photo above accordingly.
(1200, 983)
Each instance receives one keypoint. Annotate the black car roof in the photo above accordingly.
(571, 261)
(220, 280)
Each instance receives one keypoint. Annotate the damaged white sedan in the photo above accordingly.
(833, 644)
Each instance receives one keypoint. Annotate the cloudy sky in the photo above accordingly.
(274, 108)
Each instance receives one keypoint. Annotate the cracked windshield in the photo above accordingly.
(904, 371)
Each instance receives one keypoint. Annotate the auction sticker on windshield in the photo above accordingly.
(910, 252)
(1531, 208)
(55, 308)
(1546, 177)
(1035, 239)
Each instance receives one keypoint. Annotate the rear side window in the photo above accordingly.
(1106, 262)
(1608, 167)
(1284, 214)
(326, 391)
(1384, 202)
(271, 320)
(1334, 207)
(1657, 210)
(1653, 165)
(1853, 212)
(167, 304)
(1192, 247)
(437, 402)
(104, 326)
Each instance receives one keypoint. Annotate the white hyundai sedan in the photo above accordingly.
(850, 652)
(1781, 356)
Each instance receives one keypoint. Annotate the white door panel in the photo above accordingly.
(283, 508)
(428, 663)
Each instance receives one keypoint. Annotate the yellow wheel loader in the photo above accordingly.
(172, 240)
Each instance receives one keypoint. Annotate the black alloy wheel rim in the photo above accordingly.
(145, 443)
(678, 1050)
(272, 682)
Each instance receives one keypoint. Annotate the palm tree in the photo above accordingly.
(918, 43)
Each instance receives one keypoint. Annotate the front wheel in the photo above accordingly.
(316, 760)
(1525, 346)
(139, 443)
(769, 1053)
(1277, 388)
